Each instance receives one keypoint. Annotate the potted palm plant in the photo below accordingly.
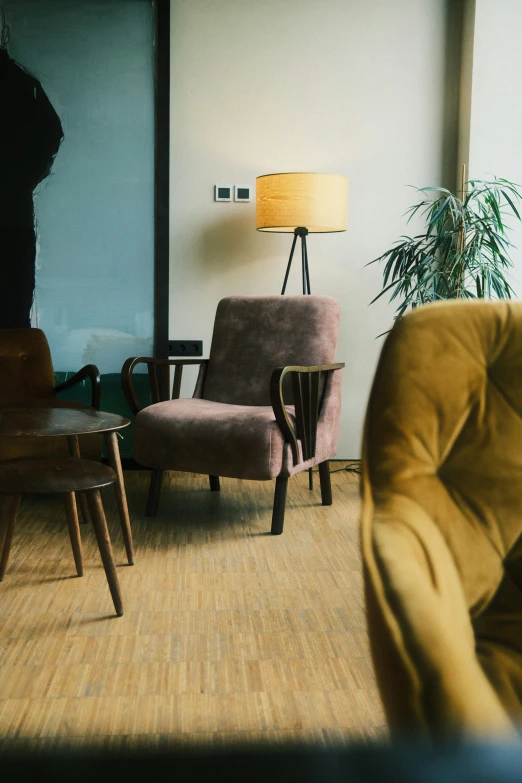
(464, 251)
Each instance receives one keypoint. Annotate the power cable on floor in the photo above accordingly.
(353, 467)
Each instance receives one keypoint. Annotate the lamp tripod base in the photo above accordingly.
(303, 233)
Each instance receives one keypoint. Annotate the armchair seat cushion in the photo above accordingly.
(201, 436)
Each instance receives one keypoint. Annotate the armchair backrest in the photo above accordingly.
(444, 429)
(26, 368)
(255, 334)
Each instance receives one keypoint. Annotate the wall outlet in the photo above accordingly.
(185, 347)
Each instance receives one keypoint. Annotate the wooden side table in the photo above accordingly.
(64, 476)
(71, 422)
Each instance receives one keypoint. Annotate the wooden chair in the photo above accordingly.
(266, 405)
(64, 476)
(27, 380)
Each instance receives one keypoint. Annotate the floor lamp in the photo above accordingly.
(301, 203)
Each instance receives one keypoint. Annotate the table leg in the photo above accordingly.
(104, 545)
(6, 535)
(74, 451)
(113, 452)
(74, 530)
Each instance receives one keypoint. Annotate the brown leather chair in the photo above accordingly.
(266, 405)
(27, 380)
(442, 520)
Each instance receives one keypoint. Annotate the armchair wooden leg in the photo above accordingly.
(214, 483)
(156, 479)
(310, 478)
(326, 485)
(6, 531)
(278, 513)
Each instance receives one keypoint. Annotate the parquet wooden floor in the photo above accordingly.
(229, 633)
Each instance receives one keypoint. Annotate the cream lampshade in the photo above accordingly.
(300, 203)
(317, 202)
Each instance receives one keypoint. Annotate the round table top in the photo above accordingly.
(49, 422)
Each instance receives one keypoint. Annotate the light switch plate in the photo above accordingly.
(241, 192)
(222, 192)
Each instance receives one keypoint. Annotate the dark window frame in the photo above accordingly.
(161, 176)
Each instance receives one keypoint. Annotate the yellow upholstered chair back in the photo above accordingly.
(442, 519)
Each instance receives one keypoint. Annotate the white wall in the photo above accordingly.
(261, 86)
(496, 103)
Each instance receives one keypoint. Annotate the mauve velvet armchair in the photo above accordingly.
(266, 404)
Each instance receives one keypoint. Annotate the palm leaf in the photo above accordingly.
(464, 250)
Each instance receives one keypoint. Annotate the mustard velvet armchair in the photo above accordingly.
(442, 520)
(266, 404)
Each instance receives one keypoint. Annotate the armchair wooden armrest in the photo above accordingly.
(159, 381)
(89, 371)
(305, 385)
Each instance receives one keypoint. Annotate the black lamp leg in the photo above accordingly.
(303, 262)
(307, 271)
(301, 231)
(289, 264)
